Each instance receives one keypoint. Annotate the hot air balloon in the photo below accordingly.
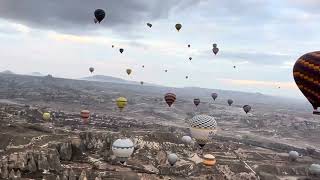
(196, 101)
(215, 50)
(149, 24)
(46, 116)
(178, 27)
(142, 66)
(121, 50)
(189, 45)
(190, 58)
(172, 159)
(85, 115)
(230, 101)
(315, 169)
(306, 73)
(187, 77)
(214, 96)
(209, 160)
(128, 71)
(169, 98)
(112, 46)
(122, 149)
(247, 108)
(234, 67)
(99, 14)
(165, 70)
(293, 155)
(186, 139)
(91, 69)
(121, 103)
(202, 127)
(141, 82)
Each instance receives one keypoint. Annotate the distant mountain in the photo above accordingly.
(102, 78)
(36, 74)
(6, 72)
(110, 79)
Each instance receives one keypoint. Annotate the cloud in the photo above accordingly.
(10, 27)
(243, 82)
(77, 16)
(248, 56)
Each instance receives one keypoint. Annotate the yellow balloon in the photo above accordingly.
(129, 71)
(121, 103)
(46, 116)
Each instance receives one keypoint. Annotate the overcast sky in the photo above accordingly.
(262, 38)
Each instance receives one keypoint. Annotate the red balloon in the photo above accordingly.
(85, 115)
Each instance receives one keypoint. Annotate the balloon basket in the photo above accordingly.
(316, 112)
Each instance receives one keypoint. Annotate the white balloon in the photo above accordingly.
(172, 159)
(315, 169)
(186, 139)
(293, 155)
(122, 149)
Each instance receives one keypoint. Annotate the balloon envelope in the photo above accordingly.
(91, 69)
(315, 169)
(122, 149)
(178, 27)
(186, 139)
(202, 127)
(230, 101)
(170, 98)
(99, 14)
(121, 103)
(247, 108)
(306, 73)
(293, 155)
(46, 116)
(172, 159)
(196, 101)
(85, 115)
(215, 50)
(214, 96)
(149, 24)
(121, 50)
(128, 71)
(209, 160)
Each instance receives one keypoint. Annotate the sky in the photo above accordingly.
(262, 38)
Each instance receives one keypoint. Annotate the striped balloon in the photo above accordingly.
(85, 115)
(196, 101)
(169, 98)
(306, 73)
